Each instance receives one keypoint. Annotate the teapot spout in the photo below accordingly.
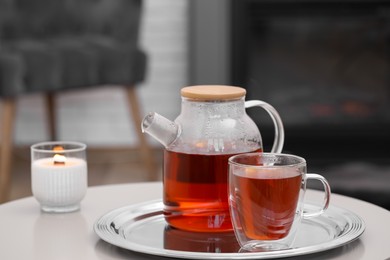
(160, 128)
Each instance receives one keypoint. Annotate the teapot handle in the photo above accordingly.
(279, 130)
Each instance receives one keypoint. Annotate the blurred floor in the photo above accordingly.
(105, 166)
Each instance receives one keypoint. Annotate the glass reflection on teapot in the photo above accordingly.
(182, 240)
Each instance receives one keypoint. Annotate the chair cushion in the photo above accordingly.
(119, 63)
(65, 63)
(78, 63)
(12, 72)
(57, 45)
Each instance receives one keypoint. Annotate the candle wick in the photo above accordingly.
(59, 163)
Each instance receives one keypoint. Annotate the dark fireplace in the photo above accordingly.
(324, 65)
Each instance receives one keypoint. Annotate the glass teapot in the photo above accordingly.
(212, 126)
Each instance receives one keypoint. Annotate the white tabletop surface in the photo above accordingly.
(28, 233)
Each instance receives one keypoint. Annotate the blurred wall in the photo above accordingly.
(100, 117)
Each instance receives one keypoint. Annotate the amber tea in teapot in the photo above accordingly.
(195, 183)
(212, 126)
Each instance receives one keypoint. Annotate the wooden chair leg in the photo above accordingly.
(146, 149)
(51, 115)
(7, 123)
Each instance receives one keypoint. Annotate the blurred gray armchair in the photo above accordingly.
(51, 46)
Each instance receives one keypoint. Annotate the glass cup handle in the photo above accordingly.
(279, 130)
(325, 203)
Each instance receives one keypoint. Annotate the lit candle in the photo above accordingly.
(59, 182)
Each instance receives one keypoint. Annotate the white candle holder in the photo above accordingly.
(59, 175)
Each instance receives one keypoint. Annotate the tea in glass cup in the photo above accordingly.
(266, 194)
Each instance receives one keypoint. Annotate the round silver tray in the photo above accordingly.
(142, 228)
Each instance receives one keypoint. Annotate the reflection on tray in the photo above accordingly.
(217, 242)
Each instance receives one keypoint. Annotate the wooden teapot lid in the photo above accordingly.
(213, 92)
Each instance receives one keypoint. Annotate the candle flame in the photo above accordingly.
(58, 148)
(59, 158)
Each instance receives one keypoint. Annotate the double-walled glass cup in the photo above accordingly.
(266, 193)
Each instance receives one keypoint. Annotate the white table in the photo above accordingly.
(28, 233)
